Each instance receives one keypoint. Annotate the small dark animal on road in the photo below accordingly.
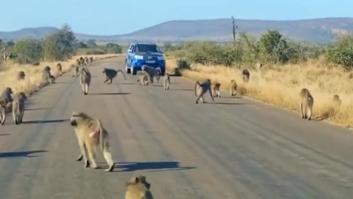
(110, 74)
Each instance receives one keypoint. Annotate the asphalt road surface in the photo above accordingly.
(234, 148)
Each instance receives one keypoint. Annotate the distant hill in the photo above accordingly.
(312, 30)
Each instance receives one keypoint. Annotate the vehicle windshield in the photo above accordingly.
(146, 48)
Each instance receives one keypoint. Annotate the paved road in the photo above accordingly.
(232, 149)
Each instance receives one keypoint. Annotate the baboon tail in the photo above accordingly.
(197, 83)
(122, 72)
(101, 132)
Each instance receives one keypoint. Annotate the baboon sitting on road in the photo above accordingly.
(233, 87)
(306, 104)
(150, 71)
(5, 102)
(216, 89)
(85, 79)
(201, 89)
(143, 78)
(110, 74)
(18, 107)
(138, 188)
(91, 135)
(47, 77)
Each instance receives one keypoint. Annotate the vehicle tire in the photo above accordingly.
(127, 70)
(133, 71)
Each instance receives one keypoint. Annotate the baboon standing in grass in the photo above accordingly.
(5, 102)
(233, 87)
(306, 104)
(18, 107)
(138, 188)
(90, 135)
(21, 75)
(201, 89)
(166, 81)
(143, 78)
(216, 89)
(336, 101)
(85, 79)
(59, 68)
(246, 75)
(47, 77)
(110, 74)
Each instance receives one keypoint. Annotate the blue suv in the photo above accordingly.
(140, 54)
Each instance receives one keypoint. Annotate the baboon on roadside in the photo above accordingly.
(47, 77)
(233, 87)
(85, 79)
(138, 188)
(82, 61)
(110, 74)
(78, 61)
(59, 68)
(306, 104)
(201, 89)
(216, 89)
(246, 75)
(21, 75)
(87, 61)
(18, 107)
(150, 71)
(336, 101)
(158, 73)
(5, 102)
(90, 135)
(91, 60)
(75, 70)
(143, 78)
(166, 81)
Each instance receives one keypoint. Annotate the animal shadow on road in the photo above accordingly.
(35, 109)
(21, 154)
(152, 166)
(45, 121)
(182, 89)
(228, 103)
(109, 93)
(4, 134)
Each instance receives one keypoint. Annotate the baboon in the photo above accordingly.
(75, 70)
(166, 81)
(138, 188)
(47, 77)
(21, 75)
(158, 73)
(336, 101)
(91, 59)
(306, 104)
(233, 87)
(246, 75)
(78, 61)
(201, 89)
(150, 71)
(91, 134)
(18, 107)
(82, 61)
(110, 74)
(86, 61)
(143, 78)
(59, 68)
(85, 79)
(216, 89)
(5, 102)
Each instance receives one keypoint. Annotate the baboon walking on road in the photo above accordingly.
(201, 89)
(18, 107)
(138, 188)
(85, 79)
(233, 88)
(143, 78)
(150, 71)
(110, 74)
(5, 102)
(306, 104)
(91, 134)
(166, 81)
(216, 89)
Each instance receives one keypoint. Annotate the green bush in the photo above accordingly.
(342, 52)
(27, 51)
(113, 48)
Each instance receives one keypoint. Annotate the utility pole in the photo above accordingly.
(235, 28)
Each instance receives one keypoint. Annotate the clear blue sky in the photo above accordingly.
(115, 16)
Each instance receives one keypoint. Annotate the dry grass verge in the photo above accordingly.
(280, 85)
(33, 80)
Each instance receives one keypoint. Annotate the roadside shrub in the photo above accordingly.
(27, 51)
(342, 52)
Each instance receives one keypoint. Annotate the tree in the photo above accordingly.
(28, 51)
(342, 52)
(273, 47)
(91, 43)
(59, 45)
(113, 48)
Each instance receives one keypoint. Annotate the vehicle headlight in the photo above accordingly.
(160, 58)
(138, 57)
